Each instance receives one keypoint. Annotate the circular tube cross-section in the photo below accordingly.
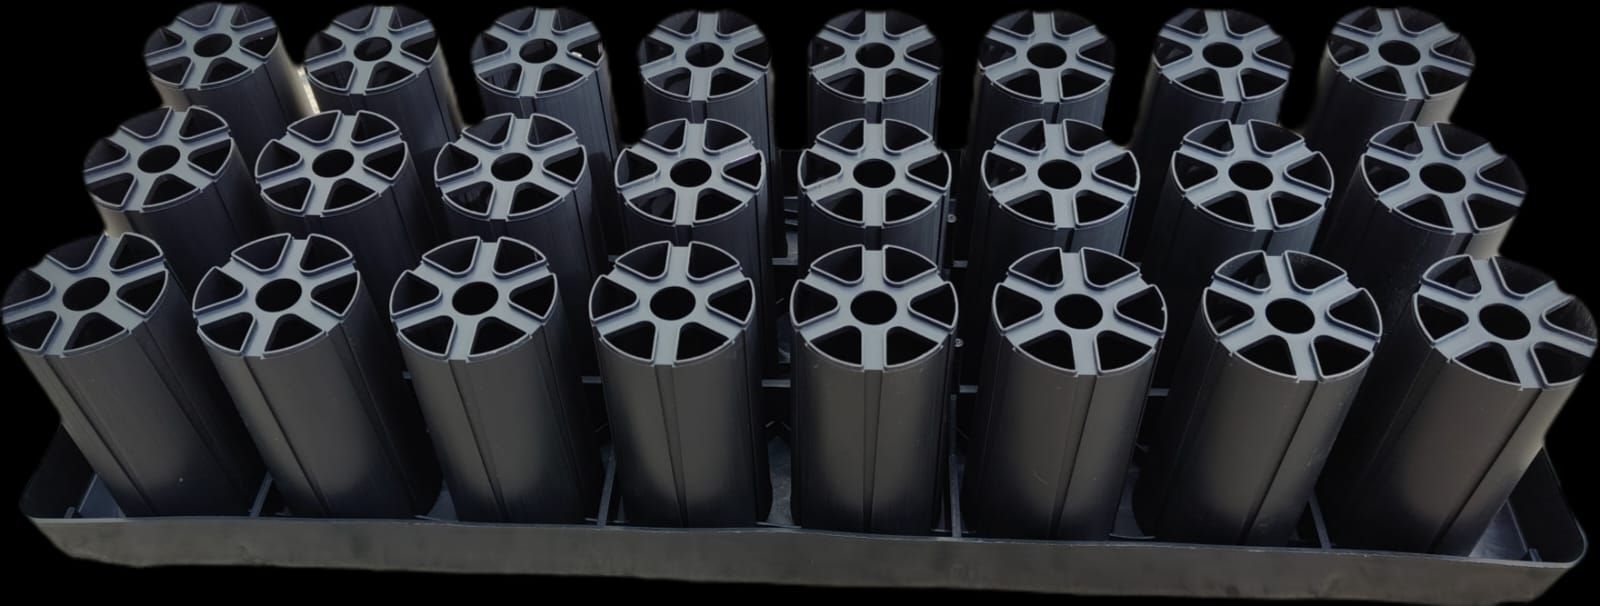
(873, 65)
(700, 65)
(873, 184)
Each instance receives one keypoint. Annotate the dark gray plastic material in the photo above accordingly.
(872, 355)
(1072, 344)
(316, 374)
(1421, 193)
(1456, 407)
(675, 330)
(1206, 65)
(701, 65)
(176, 176)
(481, 329)
(1231, 188)
(230, 59)
(106, 332)
(551, 61)
(1382, 66)
(873, 65)
(528, 178)
(1266, 379)
(873, 184)
(351, 177)
(386, 59)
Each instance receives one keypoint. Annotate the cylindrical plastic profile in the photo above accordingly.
(528, 178)
(873, 184)
(386, 59)
(176, 176)
(701, 181)
(1072, 344)
(871, 387)
(483, 335)
(229, 58)
(701, 65)
(1231, 188)
(1207, 65)
(350, 176)
(1383, 66)
(1046, 65)
(1422, 193)
(551, 61)
(1255, 408)
(1456, 407)
(873, 65)
(675, 332)
(106, 333)
(314, 372)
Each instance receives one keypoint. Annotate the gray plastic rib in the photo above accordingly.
(873, 184)
(874, 332)
(103, 328)
(1382, 66)
(350, 176)
(1264, 385)
(1421, 193)
(1206, 65)
(1039, 65)
(551, 61)
(528, 178)
(873, 65)
(1230, 188)
(675, 329)
(482, 331)
(176, 176)
(1072, 341)
(230, 59)
(1456, 407)
(702, 65)
(314, 372)
(386, 59)
(701, 181)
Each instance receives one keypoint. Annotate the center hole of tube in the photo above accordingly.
(1059, 174)
(1047, 55)
(85, 294)
(672, 303)
(278, 295)
(373, 49)
(874, 55)
(874, 173)
(1443, 178)
(873, 307)
(1078, 311)
(158, 158)
(1290, 316)
(332, 163)
(475, 298)
(213, 45)
(690, 173)
(511, 167)
(1250, 175)
(1504, 321)
(1399, 53)
(537, 51)
(704, 54)
(1222, 54)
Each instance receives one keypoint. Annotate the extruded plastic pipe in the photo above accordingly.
(1456, 407)
(874, 332)
(873, 184)
(176, 176)
(873, 65)
(103, 328)
(315, 373)
(230, 59)
(1072, 345)
(675, 330)
(481, 329)
(700, 65)
(1264, 385)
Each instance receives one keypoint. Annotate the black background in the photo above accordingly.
(76, 73)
